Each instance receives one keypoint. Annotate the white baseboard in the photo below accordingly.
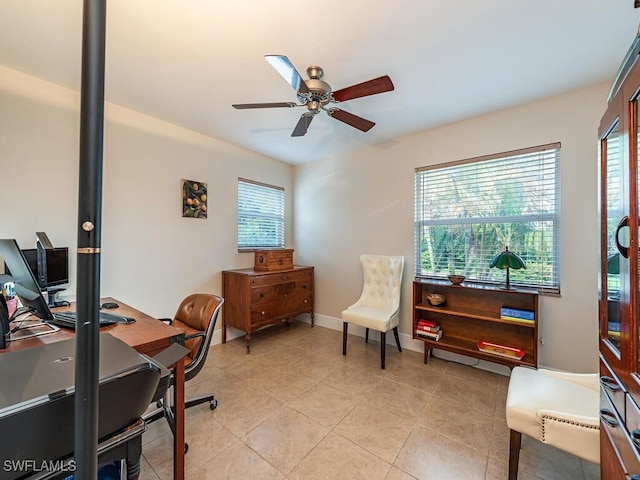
(407, 341)
(231, 334)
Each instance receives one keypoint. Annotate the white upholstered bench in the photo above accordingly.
(556, 408)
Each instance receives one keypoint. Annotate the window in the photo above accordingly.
(260, 215)
(469, 211)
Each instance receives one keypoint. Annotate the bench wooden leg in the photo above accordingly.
(515, 439)
(345, 332)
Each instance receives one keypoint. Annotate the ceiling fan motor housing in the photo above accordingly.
(319, 90)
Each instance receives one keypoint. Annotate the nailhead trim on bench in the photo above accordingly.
(562, 420)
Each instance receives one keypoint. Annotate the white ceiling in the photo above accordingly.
(187, 61)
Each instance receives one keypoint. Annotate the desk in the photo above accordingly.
(148, 336)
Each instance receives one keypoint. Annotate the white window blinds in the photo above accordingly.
(260, 215)
(469, 211)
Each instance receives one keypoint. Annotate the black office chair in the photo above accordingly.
(196, 316)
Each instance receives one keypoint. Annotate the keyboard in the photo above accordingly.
(68, 319)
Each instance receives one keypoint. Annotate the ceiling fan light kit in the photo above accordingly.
(316, 95)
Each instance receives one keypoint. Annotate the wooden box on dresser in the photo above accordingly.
(619, 275)
(253, 299)
(471, 314)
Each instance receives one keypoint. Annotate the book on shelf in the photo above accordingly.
(502, 350)
(517, 313)
(427, 323)
(518, 320)
(429, 335)
(424, 328)
(613, 329)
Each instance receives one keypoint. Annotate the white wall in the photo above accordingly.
(152, 257)
(376, 183)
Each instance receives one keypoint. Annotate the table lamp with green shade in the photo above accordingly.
(507, 260)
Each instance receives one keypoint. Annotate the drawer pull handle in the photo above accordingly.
(286, 295)
(262, 312)
(608, 417)
(624, 251)
(262, 295)
(609, 383)
(306, 301)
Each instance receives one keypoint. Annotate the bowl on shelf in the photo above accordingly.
(435, 299)
(456, 279)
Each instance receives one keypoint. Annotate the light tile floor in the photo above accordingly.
(296, 408)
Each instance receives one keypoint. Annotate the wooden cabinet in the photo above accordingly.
(471, 314)
(619, 275)
(253, 299)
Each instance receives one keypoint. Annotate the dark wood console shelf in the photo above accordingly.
(471, 314)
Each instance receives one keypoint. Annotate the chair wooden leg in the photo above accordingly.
(383, 343)
(515, 439)
(395, 334)
(345, 331)
(366, 335)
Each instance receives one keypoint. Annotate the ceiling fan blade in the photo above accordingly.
(364, 89)
(286, 69)
(242, 106)
(303, 125)
(351, 119)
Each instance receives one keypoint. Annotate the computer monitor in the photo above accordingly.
(31, 256)
(26, 285)
(57, 266)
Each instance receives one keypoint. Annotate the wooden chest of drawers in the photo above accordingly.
(253, 299)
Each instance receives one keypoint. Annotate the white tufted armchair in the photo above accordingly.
(379, 304)
(557, 408)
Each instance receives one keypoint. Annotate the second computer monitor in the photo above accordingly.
(57, 266)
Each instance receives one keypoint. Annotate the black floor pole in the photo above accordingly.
(89, 233)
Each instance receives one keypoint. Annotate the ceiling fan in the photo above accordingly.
(316, 95)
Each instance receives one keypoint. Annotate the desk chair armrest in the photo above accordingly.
(196, 335)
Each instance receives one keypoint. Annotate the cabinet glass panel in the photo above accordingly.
(614, 191)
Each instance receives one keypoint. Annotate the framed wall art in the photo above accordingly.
(194, 199)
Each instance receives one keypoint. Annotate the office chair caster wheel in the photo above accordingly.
(213, 404)
(186, 447)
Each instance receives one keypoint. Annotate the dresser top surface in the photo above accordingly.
(251, 271)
